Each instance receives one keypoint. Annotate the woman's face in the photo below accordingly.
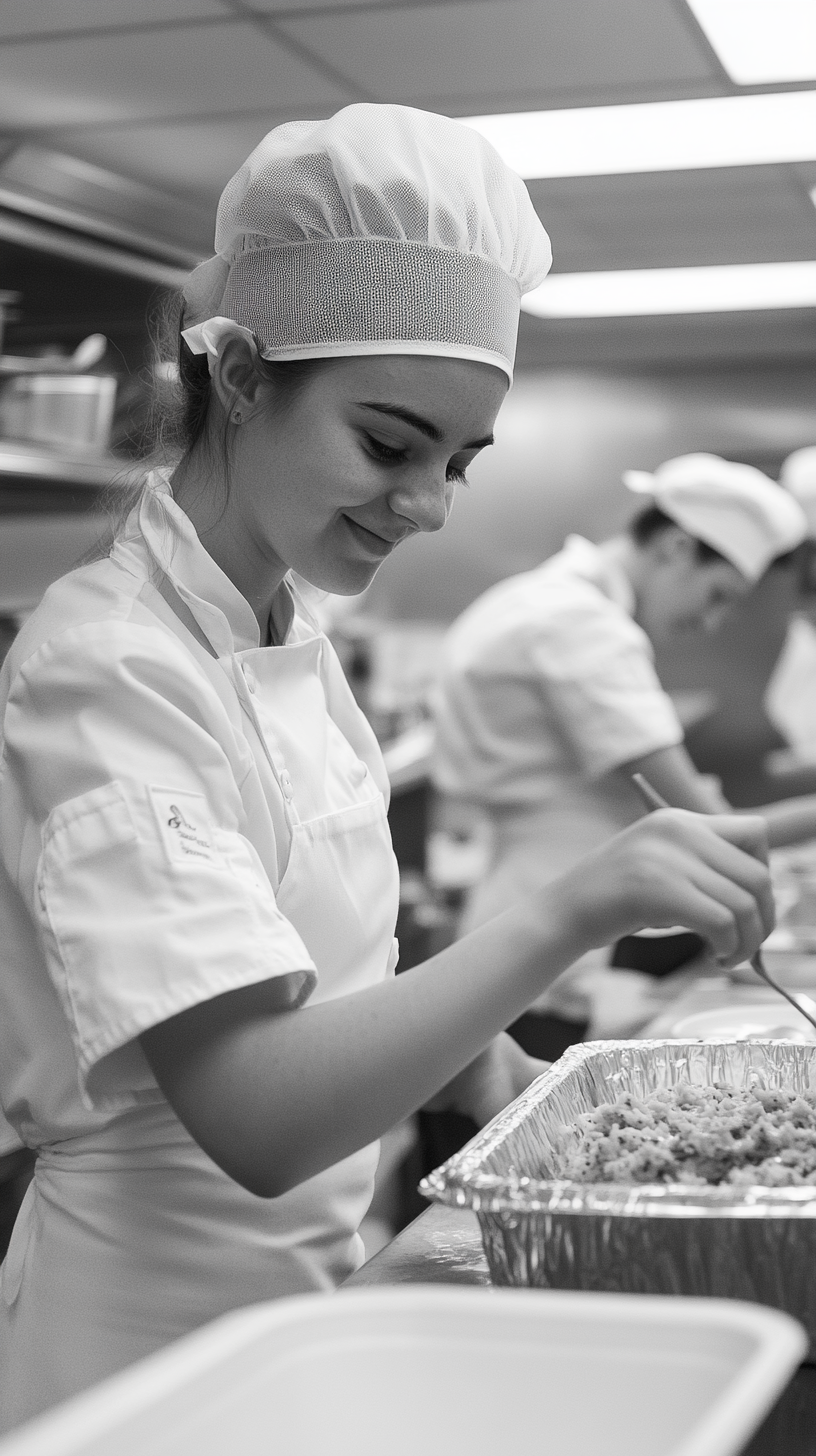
(368, 452)
(678, 592)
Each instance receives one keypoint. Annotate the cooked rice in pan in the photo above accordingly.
(698, 1136)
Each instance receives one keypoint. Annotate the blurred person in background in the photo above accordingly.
(548, 701)
(791, 692)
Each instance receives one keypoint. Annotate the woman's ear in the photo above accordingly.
(235, 378)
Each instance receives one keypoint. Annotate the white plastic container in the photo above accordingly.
(445, 1372)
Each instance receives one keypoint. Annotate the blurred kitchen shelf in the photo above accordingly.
(35, 479)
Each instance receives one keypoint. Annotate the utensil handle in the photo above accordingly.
(651, 798)
(759, 966)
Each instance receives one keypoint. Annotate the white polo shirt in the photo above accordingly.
(547, 683)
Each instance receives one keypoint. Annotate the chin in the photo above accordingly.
(346, 580)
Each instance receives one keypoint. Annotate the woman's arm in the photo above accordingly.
(789, 821)
(276, 1097)
(672, 772)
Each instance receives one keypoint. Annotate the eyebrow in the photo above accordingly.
(426, 427)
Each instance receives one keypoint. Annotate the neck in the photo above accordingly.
(200, 492)
(625, 554)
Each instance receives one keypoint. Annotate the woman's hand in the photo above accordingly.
(497, 1076)
(706, 872)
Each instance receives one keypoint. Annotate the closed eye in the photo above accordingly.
(387, 453)
(391, 455)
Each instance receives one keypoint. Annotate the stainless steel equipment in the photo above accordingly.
(65, 410)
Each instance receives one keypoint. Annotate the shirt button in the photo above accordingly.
(250, 680)
(286, 784)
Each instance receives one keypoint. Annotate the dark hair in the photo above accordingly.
(179, 406)
(652, 522)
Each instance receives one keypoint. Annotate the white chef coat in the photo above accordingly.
(182, 812)
(790, 700)
(547, 684)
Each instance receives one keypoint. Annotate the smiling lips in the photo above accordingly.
(371, 542)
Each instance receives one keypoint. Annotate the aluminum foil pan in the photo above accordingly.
(539, 1230)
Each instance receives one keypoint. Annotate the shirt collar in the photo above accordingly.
(586, 560)
(223, 614)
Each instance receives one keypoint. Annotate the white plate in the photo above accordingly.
(793, 969)
(761, 1021)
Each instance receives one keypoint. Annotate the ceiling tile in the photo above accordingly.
(98, 193)
(190, 70)
(671, 219)
(457, 53)
(21, 17)
(667, 341)
(193, 158)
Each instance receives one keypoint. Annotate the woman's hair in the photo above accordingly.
(652, 521)
(182, 413)
(178, 413)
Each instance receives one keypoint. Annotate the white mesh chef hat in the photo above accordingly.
(798, 475)
(734, 508)
(383, 230)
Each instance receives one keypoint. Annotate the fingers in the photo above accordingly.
(707, 872)
(715, 922)
(748, 832)
(736, 923)
(734, 851)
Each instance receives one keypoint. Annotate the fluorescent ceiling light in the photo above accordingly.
(655, 136)
(759, 41)
(638, 291)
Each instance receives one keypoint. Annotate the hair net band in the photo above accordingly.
(351, 296)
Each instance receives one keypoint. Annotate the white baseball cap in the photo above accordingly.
(733, 508)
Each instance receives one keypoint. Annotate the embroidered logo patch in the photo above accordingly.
(185, 827)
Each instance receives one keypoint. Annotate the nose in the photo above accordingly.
(424, 500)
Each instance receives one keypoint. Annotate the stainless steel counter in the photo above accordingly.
(442, 1246)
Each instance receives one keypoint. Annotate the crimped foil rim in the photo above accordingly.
(462, 1181)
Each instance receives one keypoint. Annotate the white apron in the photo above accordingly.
(131, 1236)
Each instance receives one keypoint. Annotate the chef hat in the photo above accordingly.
(383, 230)
(798, 475)
(733, 508)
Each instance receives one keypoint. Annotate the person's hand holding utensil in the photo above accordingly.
(653, 800)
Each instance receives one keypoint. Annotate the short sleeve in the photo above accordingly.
(147, 894)
(597, 673)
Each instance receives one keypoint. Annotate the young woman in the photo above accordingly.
(201, 1033)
